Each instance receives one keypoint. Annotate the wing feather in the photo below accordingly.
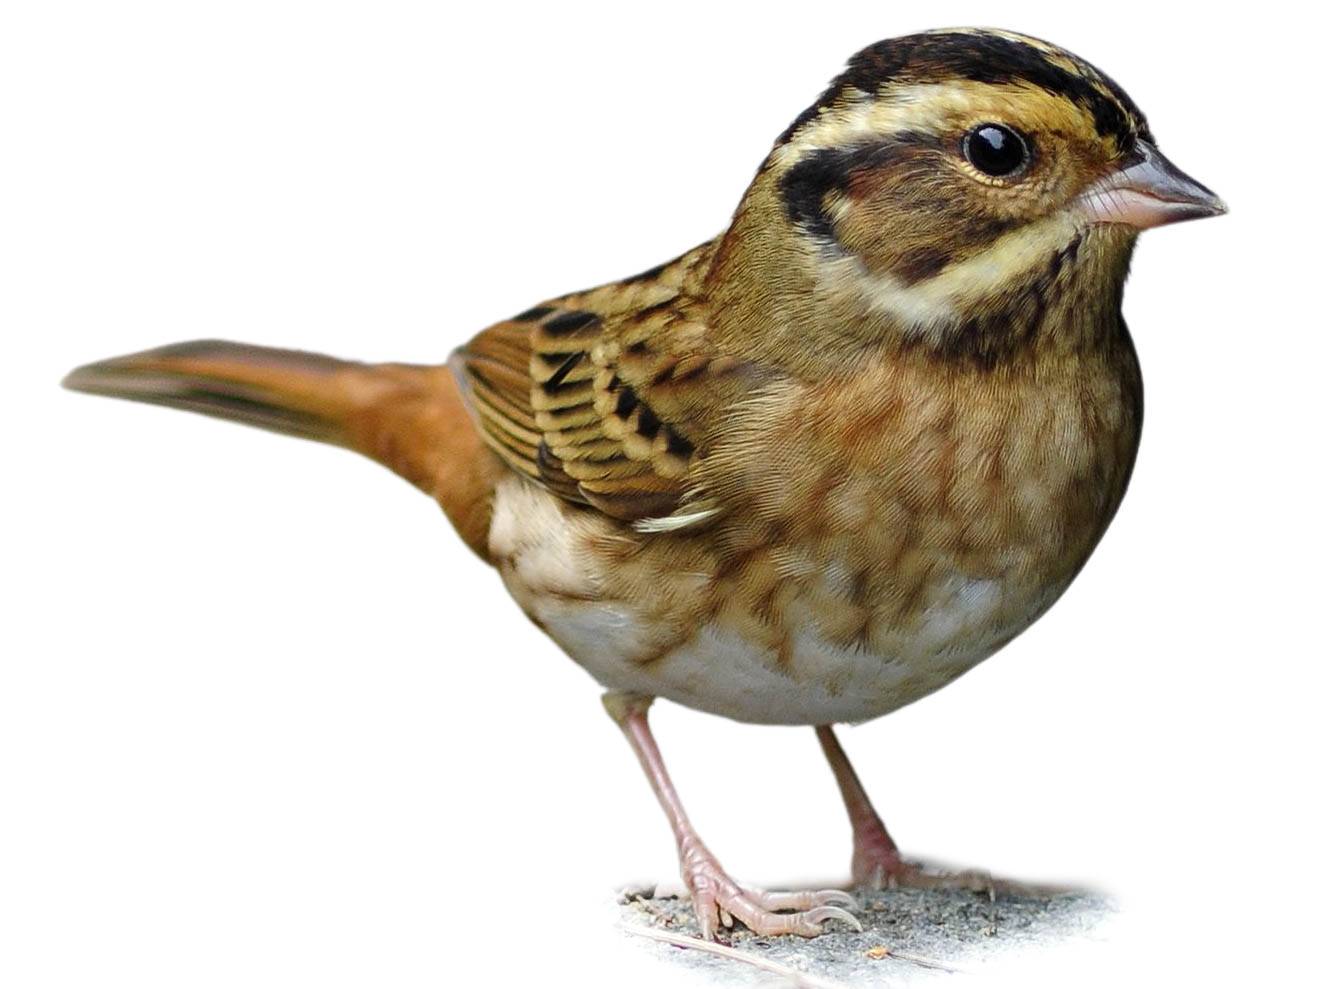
(601, 397)
(551, 402)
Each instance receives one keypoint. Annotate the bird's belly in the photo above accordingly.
(725, 668)
(787, 637)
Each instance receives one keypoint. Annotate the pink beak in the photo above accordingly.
(1148, 191)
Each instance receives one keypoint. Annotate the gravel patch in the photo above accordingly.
(909, 936)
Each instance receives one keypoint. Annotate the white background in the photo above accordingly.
(265, 722)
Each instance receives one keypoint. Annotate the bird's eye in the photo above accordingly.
(995, 149)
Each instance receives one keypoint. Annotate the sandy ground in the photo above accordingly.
(910, 937)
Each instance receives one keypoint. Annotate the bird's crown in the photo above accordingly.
(960, 58)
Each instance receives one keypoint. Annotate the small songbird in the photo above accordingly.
(817, 467)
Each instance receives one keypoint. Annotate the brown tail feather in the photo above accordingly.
(407, 417)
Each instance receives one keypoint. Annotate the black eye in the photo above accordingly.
(995, 149)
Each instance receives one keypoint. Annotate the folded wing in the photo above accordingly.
(561, 394)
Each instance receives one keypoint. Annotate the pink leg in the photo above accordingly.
(716, 897)
(875, 858)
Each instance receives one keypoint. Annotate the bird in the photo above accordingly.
(817, 467)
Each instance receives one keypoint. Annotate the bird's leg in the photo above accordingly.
(875, 857)
(716, 897)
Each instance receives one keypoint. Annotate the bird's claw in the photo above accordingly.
(718, 900)
(805, 899)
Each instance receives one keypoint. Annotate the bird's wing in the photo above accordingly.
(568, 396)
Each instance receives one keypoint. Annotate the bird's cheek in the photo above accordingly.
(888, 235)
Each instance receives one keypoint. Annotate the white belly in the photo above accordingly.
(723, 672)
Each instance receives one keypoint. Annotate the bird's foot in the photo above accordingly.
(717, 899)
(876, 862)
(880, 865)
(914, 875)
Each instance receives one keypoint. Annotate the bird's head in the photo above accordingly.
(965, 189)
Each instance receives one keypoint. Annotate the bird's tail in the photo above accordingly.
(407, 417)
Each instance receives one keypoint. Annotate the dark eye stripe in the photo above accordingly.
(806, 186)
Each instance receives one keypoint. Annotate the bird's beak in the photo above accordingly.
(1147, 191)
